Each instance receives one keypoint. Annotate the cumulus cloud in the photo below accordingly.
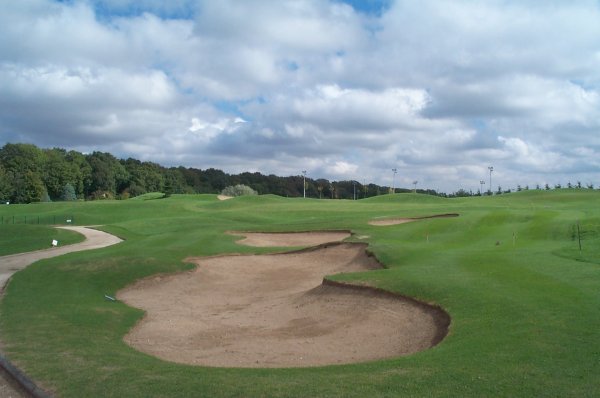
(439, 90)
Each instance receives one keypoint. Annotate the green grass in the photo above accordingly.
(22, 238)
(524, 301)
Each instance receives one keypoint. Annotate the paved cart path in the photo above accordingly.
(94, 239)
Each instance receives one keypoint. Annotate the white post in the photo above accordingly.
(304, 183)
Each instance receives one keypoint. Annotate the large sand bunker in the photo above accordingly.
(274, 311)
(396, 221)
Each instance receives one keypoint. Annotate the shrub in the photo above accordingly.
(238, 190)
(68, 193)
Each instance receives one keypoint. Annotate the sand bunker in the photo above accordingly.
(290, 239)
(274, 311)
(224, 197)
(396, 221)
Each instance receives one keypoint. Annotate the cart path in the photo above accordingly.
(94, 239)
(10, 264)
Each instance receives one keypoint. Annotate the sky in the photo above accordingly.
(346, 90)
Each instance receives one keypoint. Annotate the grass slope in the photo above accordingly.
(523, 300)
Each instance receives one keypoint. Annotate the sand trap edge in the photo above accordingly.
(441, 318)
(403, 220)
(302, 238)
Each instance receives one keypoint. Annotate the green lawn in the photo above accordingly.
(524, 301)
(22, 238)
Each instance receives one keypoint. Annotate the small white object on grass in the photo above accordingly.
(54, 242)
(110, 298)
(69, 221)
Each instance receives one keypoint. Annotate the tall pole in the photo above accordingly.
(304, 183)
(491, 168)
(394, 180)
(415, 184)
(354, 185)
(481, 183)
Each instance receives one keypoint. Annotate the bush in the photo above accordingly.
(238, 190)
(68, 193)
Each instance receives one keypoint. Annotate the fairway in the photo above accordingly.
(522, 298)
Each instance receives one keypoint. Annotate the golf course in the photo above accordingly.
(483, 296)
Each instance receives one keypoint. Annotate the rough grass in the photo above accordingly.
(523, 300)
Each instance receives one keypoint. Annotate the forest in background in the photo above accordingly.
(31, 174)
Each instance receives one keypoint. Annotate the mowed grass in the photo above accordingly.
(524, 301)
(24, 238)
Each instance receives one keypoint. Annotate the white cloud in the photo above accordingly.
(341, 168)
(438, 89)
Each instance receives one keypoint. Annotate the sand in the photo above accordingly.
(275, 311)
(396, 221)
(262, 239)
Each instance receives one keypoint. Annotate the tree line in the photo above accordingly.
(31, 174)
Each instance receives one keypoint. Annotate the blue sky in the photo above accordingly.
(439, 90)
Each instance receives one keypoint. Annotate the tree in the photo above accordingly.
(81, 172)
(22, 164)
(57, 172)
(238, 190)
(21, 158)
(109, 177)
(68, 193)
(5, 185)
(28, 188)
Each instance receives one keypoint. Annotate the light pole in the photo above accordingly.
(354, 185)
(394, 180)
(482, 183)
(304, 182)
(415, 184)
(491, 168)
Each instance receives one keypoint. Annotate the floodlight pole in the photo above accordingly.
(304, 183)
(354, 185)
(394, 180)
(415, 184)
(491, 168)
(482, 183)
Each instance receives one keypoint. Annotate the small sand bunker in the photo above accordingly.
(396, 221)
(224, 197)
(290, 239)
(274, 311)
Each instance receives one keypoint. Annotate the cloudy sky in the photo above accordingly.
(438, 89)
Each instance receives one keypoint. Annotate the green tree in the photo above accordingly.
(68, 193)
(81, 172)
(57, 171)
(108, 176)
(5, 185)
(22, 164)
(28, 188)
